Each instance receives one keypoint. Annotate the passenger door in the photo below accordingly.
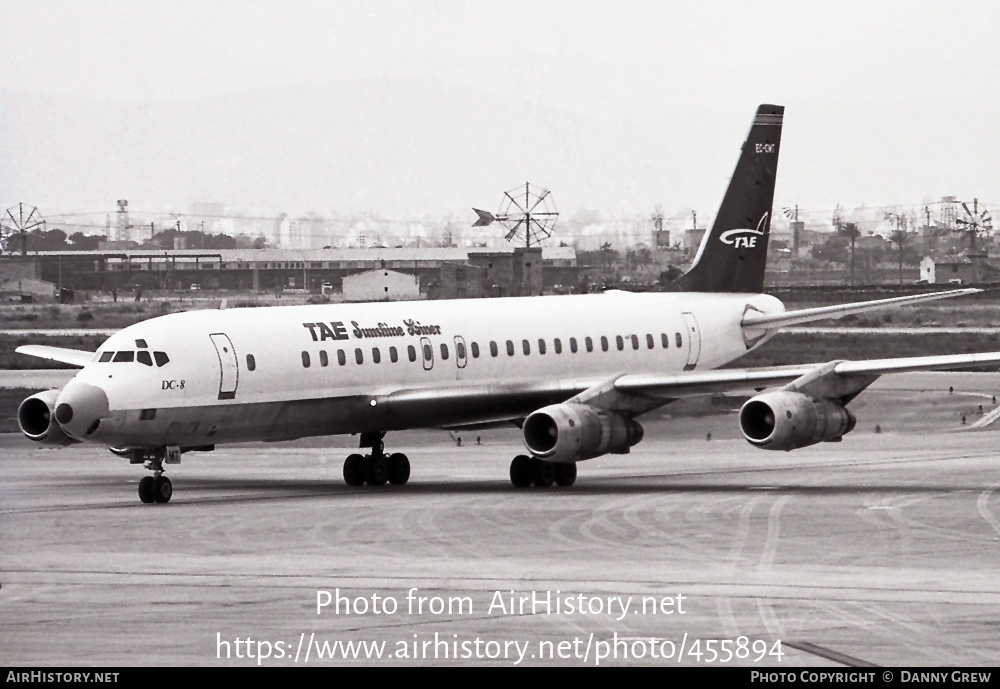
(229, 368)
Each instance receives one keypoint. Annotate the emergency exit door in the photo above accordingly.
(693, 337)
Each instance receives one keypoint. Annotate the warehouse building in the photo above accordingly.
(447, 272)
(381, 285)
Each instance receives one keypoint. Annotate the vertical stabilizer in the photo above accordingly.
(733, 255)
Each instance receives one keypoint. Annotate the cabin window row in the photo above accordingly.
(376, 355)
(589, 344)
(621, 343)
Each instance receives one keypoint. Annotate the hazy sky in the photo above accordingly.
(616, 58)
(884, 99)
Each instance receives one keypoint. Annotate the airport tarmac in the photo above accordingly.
(881, 549)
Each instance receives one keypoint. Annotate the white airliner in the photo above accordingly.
(574, 372)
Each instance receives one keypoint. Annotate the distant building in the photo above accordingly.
(963, 270)
(461, 281)
(22, 278)
(797, 229)
(692, 238)
(123, 245)
(512, 272)
(381, 285)
(807, 239)
(661, 239)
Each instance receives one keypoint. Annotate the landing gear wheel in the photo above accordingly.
(520, 471)
(146, 490)
(354, 470)
(543, 474)
(163, 489)
(399, 469)
(565, 474)
(376, 470)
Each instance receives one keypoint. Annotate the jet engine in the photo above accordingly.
(570, 432)
(789, 420)
(37, 419)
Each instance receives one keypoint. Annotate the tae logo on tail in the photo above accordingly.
(744, 238)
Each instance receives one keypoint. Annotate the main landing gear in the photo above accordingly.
(155, 488)
(378, 468)
(528, 471)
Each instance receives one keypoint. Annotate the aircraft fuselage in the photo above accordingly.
(277, 373)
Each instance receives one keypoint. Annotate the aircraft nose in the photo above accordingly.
(80, 408)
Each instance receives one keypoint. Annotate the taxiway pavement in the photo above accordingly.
(880, 549)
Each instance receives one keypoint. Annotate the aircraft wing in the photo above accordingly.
(690, 383)
(73, 357)
(467, 405)
(480, 405)
(755, 319)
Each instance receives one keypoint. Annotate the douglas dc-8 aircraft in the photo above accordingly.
(574, 372)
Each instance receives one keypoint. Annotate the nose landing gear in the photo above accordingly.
(155, 488)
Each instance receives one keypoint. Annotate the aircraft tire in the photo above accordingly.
(543, 474)
(520, 471)
(399, 469)
(146, 489)
(163, 489)
(376, 470)
(354, 470)
(565, 474)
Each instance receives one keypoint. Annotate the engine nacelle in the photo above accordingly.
(37, 420)
(570, 432)
(789, 420)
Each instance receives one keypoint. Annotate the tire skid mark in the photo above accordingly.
(610, 525)
(895, 513)
(741, 534)
(897, 618)
(618, 585)
(764, 607)
(773, 533)
(724, 608)
(946, 533)
(982, 504)
(473, 508)
(879, 514)
(930, 633)
(889, 632)
(770, 619)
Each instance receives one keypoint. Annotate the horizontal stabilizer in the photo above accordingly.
(754, 319)
(73, 357)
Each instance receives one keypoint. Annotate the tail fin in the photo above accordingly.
(732, 256)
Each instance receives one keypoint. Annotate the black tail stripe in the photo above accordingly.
(733, 254)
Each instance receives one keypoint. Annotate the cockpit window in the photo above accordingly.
(161, 358)
(143, 357)
(106, 356)
(124, 356)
